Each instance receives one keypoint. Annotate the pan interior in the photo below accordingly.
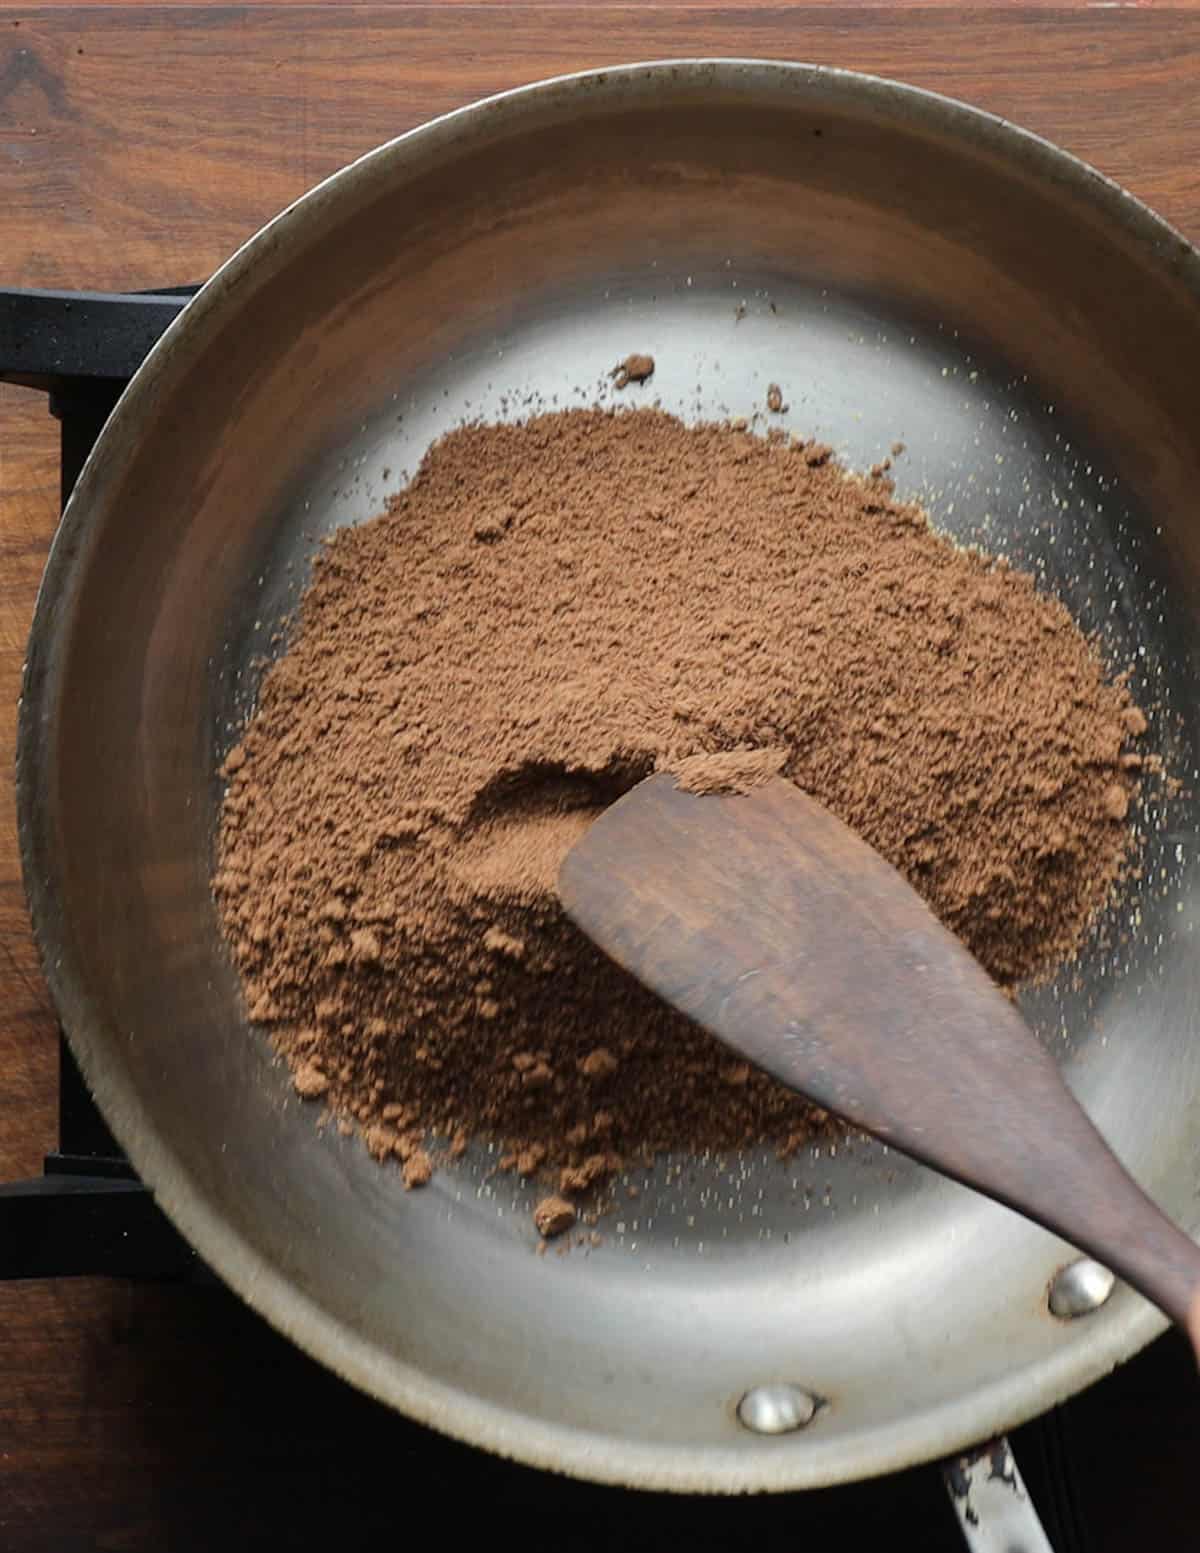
(908, 274)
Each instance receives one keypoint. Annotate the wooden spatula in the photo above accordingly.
(775, 927)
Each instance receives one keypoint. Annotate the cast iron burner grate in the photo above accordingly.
(88, 1212)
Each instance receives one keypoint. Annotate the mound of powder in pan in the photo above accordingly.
(547, 614)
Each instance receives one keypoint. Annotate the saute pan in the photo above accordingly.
(909, 271)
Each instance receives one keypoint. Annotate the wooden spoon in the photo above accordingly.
(775, 927)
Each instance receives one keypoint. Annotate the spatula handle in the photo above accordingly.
(1108, 1215)
(768, 922)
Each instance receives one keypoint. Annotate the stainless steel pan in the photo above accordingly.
(909, 270)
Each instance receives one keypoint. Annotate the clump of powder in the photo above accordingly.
(546, 615)
(729, 771)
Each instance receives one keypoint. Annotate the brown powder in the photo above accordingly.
(546, 615)
(553, 1215)
(729, 771)
(634, 369)
(418, 1169)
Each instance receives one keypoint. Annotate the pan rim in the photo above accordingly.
(505, 1431)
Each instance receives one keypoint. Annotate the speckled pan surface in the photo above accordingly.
(912, 270)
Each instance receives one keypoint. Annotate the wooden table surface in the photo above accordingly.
(138, 146)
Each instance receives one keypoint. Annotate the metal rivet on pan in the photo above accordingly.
(777, 1409)
(1079, 1288)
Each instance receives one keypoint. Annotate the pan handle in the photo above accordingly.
(993, 1507)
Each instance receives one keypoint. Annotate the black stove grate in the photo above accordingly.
(88, 1212)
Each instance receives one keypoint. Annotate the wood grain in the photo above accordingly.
(138, 146)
